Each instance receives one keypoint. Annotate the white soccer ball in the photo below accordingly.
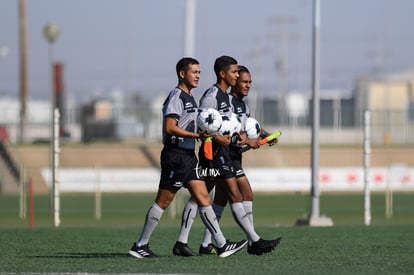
(252, 128)
(227, 126)
(236, 122)
(209, 120)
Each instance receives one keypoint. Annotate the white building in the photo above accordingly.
(39, 117)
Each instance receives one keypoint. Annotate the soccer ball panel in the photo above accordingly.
(236, 122)
(252, 128)
(209, 120)
(227, 126)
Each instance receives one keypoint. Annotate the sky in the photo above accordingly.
(133, 45)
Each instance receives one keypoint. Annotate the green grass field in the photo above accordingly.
(83, 244)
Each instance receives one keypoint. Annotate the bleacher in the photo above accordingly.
(145, 154)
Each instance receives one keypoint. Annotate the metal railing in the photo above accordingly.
(387, 127)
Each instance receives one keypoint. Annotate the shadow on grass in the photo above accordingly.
(96, 255)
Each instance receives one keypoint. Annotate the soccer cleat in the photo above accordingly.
(277, 241)
(209, 250)
(182, 249)
(141, 252)
(230, 248)
(263, 246)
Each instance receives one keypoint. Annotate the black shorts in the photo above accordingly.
(236, 156)
(220, 167)
(178, 167)
(238, 169)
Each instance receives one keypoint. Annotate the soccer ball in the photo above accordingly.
(209, 120)
(236, 122)
(227, 127)
(252, 128)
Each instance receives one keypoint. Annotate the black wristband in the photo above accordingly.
(264, 134)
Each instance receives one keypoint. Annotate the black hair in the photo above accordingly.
(183, 63)
(242, 69)
(222, 63)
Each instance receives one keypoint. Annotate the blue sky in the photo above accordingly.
(133, 45)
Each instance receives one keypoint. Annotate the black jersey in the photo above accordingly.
(215, 98)
(240, 108)
(183, 108)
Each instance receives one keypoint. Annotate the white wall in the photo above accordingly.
(398, 178)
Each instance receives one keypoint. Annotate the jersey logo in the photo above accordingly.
(189, 107)
(223, 105)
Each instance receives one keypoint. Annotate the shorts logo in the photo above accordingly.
(178, 184)
(206, 172)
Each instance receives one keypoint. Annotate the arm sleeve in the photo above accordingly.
(208, 102)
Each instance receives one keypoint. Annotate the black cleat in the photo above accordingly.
(263, 246)
(230, 248)
(209, 250)
(141, 252)
(182, 249)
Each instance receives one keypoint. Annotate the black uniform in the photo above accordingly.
(179, 163)
(222, 162)
(241, 109)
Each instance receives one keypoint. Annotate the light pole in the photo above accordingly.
(189, 31)
(283, 36)
(51, 33)
(314, 218)
(23, 68)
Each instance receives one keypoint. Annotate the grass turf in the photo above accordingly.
(304, 250)
(84, 244)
